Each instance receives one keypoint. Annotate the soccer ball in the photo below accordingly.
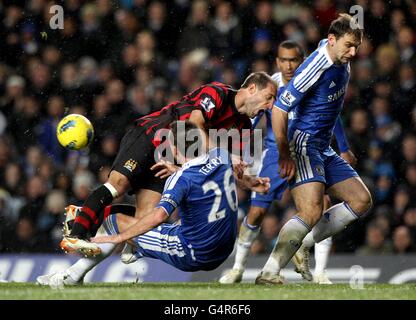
(74, 132)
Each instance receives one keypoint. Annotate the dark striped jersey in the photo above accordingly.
(215, 100)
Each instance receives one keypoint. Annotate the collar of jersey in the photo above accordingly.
(326, 53)
(202, 159)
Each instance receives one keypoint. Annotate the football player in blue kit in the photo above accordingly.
(204, 191)
(290, 55)
(303, 121)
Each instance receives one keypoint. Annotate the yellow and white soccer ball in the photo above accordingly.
(74, 132)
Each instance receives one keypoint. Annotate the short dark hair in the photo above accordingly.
(345, 24)
(179, 134)
(290, 44)
(260, 79)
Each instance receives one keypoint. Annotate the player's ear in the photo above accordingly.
(174, 151)
(331, 39)
(252, 88)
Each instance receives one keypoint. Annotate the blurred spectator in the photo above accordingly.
(51, 218)
(325, 12)
(409, 219)
(359, 135)
(263, 21)
(23, 123)
(226, 33)
(376, 19)
(270, 230)
(387, 59)
(27, 238)
(13, 178)
(35, 193)
(406, 44)
(402, 240)
(196, 34)
(286, 10)
(401, 202)
(47, 129)
(405, 95)
(33, 158)
(107, 154)
(263, 48)
(83, 183)
(158, 23)
(376, 242)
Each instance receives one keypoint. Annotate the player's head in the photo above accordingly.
(344, 38)
(290, 55)
(187, 141)
(257, 94)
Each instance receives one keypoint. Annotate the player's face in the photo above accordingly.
(288, 60)
(260, 100)
(346, 48)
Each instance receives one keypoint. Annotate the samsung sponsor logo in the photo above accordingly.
(336, 95)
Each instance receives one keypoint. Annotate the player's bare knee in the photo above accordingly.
(361, 203)
(310, 217)
(119, 182)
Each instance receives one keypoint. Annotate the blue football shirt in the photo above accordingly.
(205, 193)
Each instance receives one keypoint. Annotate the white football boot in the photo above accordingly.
(58, 279)
(301, 261)
(232, 276)
(267, 279)
(128, 254)
(321, 278)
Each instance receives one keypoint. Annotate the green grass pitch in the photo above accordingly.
(206, 291)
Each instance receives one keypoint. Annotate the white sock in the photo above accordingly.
(246, 237)
(334, 220)
(80, 268)
(288, 242)
(322, 250)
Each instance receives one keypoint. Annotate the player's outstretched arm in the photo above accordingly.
(279, 124)
(138, 228)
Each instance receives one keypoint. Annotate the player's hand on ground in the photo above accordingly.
(258, 184)
(165, 169)
(287, 168)
(107, 239)
(349, 157)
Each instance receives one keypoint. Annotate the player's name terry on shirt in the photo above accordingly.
(211, 165)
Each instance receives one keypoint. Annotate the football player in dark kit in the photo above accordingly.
(211, 106)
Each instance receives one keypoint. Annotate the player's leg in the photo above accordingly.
(162, 243)
(123, 172)
(356, 202)
(250, 227)
(322, 250)
(74, 275)
(146, 201)
(249, 230)
(344, 184)
(308, 199)
(129, 171)
(91, 215)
